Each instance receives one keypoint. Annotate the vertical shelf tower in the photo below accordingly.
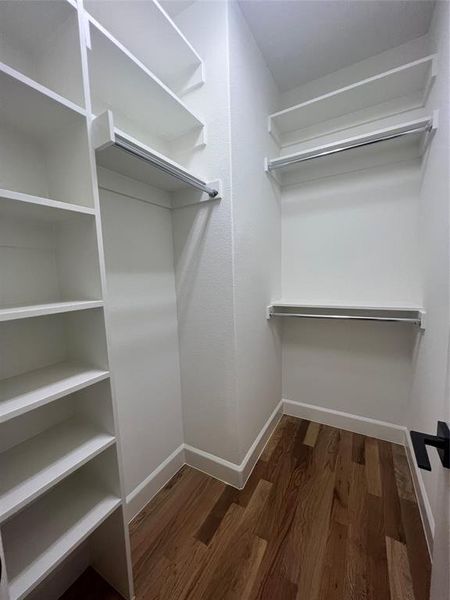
(62, 67)
(61, 495)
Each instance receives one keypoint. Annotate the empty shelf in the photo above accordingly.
(413, 78)
(53, 308)
(27, 391)
(31, 468)
(43, 535)
(33, 108)
(121, 153)
(151, 104)
(411, 315)
(144, 28)
(19, 205)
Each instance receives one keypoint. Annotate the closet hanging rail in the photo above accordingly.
(166, 167)
(413, 316)
(106, 137)
(425, 126)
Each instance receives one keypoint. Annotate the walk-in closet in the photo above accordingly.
(224, 299)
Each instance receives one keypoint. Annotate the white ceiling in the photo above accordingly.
(303, 40)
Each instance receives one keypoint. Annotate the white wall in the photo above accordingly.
(428, 399)
(353, 239)
(203, 253)
(257, 233)
(142, 327)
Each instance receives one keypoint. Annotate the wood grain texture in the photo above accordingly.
(325, 515)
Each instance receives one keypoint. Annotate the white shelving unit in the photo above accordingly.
(35, 544)
(405, 87)
(29, 391)
(60, 489)
(179, 66)
(40, 40)
(31, 468)
(152, 113)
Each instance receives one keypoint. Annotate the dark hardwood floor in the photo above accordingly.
(326, 515)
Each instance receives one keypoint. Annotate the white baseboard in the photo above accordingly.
(145, 491)
(378, 429)
(228, 472)
(335, 418)
(421, 493)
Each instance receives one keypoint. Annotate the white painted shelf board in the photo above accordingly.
(33, 108)
(116, 159)
(288, 304)
(151, 35)
(144, 99)
(372, 146)
(20, 205)
(405, 80)
(33, 467)
(28, 391)
(54, 308)
(44, 535)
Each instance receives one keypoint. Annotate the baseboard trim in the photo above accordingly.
(229, 472)
(145, 491)
(347, 421)
(421, 493)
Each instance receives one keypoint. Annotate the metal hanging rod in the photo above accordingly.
(160, 164)
(291, 160)
(348, 317)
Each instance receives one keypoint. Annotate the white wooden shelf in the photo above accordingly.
(31, 468)
(32, 105)
(403, 314)
(40, 39)
(151, 35)
(20, 205)
(412, 79)
(28, 391)
(42, 536)
(53, 308)
(119, 152)
(144, 100)
(383, 146)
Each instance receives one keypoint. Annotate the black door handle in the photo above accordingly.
(441, 441)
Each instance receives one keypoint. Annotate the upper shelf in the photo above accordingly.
(151, 35)
(119, 152)
(384, 146)
(40, 39)
(413, 79)
(401, 314)
(144, 106)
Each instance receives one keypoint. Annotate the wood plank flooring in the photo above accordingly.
(325, 515)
